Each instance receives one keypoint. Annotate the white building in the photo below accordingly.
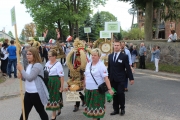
(5, 36)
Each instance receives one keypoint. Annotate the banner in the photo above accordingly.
(113, 27)
(105, 34)
(13, 16)
(87, 30)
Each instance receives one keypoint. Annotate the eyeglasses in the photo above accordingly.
(50, 56)
(28, 54)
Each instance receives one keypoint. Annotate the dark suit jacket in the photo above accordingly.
(45, 52)
(118, 70)
(40, 50)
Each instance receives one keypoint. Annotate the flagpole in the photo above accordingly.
(18, 61)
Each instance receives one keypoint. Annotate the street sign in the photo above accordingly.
(41, 38)
(113, 27)
(87, 30)
(105, 34)
(31, 38)
(13, 16)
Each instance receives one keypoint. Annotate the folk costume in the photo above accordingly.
(54, 84)
(95, 102)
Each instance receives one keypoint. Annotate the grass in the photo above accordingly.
(1, 81)
(164, 67)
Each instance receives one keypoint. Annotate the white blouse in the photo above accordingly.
(5, 53)
(30, 86)
(99, 71)
(57, 69)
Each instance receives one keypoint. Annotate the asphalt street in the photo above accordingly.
(152, 97)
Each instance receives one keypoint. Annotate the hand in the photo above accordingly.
(61, 89)
(19, 67)
(131, 82)
(66, 89)
(19, 76)
(111, 92)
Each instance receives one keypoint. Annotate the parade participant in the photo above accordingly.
(63, 47)
(12, 59)
(36, 92)
(24, 52)
(117, 63)
(127, 52)
(76, 62)
(4, 59)
(55, 84)
(96, 72)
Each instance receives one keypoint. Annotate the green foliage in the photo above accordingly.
(133, 34)
(97, 24)
(49, 14)
(50, 35)
(164, 67)
(10, 33)
(1, 39)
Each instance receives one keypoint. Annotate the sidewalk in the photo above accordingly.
(163, 74)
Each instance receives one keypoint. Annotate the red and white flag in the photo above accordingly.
(69, 38)
(52, 41)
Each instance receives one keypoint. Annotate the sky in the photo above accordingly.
(118, 9)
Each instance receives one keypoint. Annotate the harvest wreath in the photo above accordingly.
(76, 62)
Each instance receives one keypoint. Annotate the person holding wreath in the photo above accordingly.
(95, 72)
(55, 84)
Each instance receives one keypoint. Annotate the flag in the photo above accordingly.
(69, 38)
(52, 41)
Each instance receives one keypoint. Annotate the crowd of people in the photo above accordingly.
(120, 70)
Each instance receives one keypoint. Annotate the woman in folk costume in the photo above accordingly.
(55, 84)
(95, 74)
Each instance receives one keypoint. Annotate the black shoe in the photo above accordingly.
(15, 76)
(83, 104)
(114, 113)
(122, 112)
(58, 113)
(98, 119)
(9, 76)
(75, 109)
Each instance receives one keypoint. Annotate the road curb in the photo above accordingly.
(163, 74)
(8, 96)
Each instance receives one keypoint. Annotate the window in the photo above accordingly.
(1, 35)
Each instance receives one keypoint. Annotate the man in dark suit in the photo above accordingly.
(118, 64)
(64, 50)
(41, 52)
(45, 53)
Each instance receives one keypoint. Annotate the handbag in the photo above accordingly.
(103, 87)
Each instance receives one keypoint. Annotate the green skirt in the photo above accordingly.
(95, 104)
(55, 97)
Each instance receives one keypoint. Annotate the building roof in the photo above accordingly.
(8, 35)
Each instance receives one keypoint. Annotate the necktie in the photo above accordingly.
(115, 57)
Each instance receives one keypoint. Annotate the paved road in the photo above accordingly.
(152, 97)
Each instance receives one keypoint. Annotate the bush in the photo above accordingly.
(133, 34)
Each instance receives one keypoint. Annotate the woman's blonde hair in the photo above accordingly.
(35, 53)
(96, 50)
(53, 52)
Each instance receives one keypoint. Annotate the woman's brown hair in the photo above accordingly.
(36, 56)
(53, 52)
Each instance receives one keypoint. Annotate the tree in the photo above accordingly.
(29, 30)
(148, 6)
(56, 13)
(10, 33)
(104, 16)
